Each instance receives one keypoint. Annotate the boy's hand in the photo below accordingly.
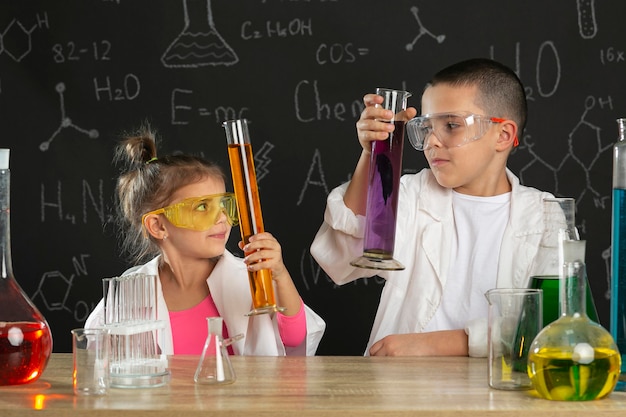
(372, 126)
(441, 343)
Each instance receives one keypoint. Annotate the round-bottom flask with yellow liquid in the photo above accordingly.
(573, 358)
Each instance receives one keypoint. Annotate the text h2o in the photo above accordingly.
(335, 53)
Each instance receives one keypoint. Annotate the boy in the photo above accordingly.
(464, 226)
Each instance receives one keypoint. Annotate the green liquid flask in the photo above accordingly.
(573, 358)
(559, 223)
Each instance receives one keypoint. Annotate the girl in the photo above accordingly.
(175, 210)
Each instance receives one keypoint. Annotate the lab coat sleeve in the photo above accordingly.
(96, 317)
(315, 327)
(340, 240)
(476, 331)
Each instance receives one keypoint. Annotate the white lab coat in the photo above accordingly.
(424, 236)
(230, 290)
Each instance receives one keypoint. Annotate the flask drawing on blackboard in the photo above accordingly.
(199, 44)
(25, 337)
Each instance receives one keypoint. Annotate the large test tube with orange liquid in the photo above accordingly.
(249, 206)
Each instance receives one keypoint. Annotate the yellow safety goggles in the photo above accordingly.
(200, 213)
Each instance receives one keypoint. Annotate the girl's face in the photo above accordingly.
(199, 244)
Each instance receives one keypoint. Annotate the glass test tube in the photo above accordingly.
(249, 206)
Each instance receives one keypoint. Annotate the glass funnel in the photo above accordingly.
(25, 337)
(573, 358)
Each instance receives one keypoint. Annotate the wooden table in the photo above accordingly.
(303, 386)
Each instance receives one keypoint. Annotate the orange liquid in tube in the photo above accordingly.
(250, 218)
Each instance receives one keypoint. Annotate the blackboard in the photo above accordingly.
(76, 74)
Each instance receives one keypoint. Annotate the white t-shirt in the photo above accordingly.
(480, 224)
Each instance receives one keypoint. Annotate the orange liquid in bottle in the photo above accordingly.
(24, 352)
(250, 218)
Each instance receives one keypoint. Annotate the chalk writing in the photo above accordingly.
(585, 149)
(130, 89)
(321, 111)
(422, 31)
(338, 53)
(179, 110)
(66, 122)
(611, 55)
(89, 199)
(54, 289)
(16, 40)
(295, 27)
(99, 50)
(262, 160)
(315, 168)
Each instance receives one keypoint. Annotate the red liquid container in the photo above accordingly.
(25, 337)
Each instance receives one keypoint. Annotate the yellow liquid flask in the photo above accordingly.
(573, 358)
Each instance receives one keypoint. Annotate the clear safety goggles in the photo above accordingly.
(451, 129)
(200, 213)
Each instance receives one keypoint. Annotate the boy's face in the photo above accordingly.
(473, 167)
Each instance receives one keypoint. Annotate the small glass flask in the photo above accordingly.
(214, 366)
(25, 337)
(573, 358)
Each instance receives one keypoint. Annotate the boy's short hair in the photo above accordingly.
(501, 93)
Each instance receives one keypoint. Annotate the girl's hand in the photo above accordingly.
(264, 252)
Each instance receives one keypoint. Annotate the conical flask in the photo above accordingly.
(559, 215)
(214, 366)
(25, 337)
(573, 358)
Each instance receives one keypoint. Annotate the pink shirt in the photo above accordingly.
(190, 328)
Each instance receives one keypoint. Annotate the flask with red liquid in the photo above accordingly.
(25, 337)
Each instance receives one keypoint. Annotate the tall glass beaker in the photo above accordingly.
(618, 249)
(383, 189)
(249, 206)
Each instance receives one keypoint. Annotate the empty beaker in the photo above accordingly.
(515, 318)
(90, 354)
